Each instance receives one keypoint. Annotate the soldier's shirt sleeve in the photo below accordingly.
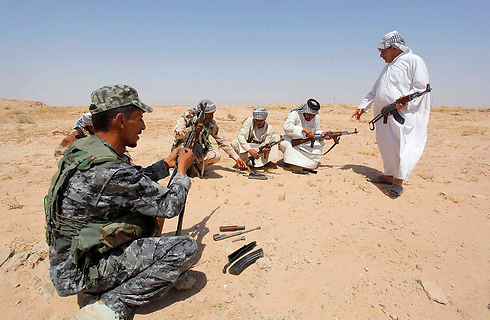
(132, 190)
(181, 131)
(222, 142)
(156, 171)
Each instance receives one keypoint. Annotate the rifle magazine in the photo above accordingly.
(244, 262)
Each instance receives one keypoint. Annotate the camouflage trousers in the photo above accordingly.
(141, 271)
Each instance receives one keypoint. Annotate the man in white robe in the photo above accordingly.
(254, 134)
(400, 145)
(303, 122)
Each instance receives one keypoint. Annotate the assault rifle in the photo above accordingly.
(391, 108)
(190, 143)
(335, 135)
(261, 149)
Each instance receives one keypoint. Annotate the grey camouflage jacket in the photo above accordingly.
(105, 192)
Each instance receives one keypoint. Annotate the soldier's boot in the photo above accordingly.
(98, 311)
(185, 282)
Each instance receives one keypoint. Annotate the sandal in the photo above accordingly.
(378, 179)
(395, 191)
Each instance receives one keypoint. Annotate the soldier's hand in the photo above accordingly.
(254, 153)
(199, 127)
(186, 159)
(309, 133)
(358, 114)
(241, 164)
(266, 149)
(170, 160)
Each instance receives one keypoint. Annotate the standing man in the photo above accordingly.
(400, 145)
(207, 155)
(101, 214)
(303, 122)
(254, 134)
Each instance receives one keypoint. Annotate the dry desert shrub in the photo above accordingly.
(14, 204)
(282, 197)
(454, 145)
(25, 119)
(426, 176)
(447, 109)
(369, 153)
(231, 116)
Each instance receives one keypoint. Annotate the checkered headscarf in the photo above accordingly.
(393, 39)
(84, 121)
(311, 106)
(209, 107)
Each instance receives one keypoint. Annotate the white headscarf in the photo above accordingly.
(260, 113)
(393, 39)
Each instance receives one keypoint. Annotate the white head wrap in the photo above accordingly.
(393, 39)
(311, 106)
(84, 121)
(260, 113)
(209, 107)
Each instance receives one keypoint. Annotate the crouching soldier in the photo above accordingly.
(101, 214)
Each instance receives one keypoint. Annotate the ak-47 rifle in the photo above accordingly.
(391, 108)
(261, 149)
(334, 134)
(191, 144)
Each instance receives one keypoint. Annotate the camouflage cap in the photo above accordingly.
(112, 97)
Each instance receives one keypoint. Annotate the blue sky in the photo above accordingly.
(237, 52)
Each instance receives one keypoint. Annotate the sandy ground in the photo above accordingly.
(338, 247)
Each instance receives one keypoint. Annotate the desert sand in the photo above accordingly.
(335, 246)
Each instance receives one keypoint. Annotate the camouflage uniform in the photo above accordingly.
(138, 271)
(184, 127)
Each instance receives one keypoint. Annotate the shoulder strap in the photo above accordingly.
(81, 155)
(80, 132)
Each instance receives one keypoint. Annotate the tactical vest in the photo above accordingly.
(89, 236)
(206, 144)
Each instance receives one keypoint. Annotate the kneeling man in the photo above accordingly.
(303, 122)
(254, 139)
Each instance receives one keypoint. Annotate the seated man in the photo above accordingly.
(101, 214)
(83, 128)
(208, 155)
(256, 133)
(303, 122)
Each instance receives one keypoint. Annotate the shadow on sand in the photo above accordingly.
(198, 231)
(367, 172)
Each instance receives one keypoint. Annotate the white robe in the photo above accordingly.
(261, 136)
(302, 155)
(401, 145)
